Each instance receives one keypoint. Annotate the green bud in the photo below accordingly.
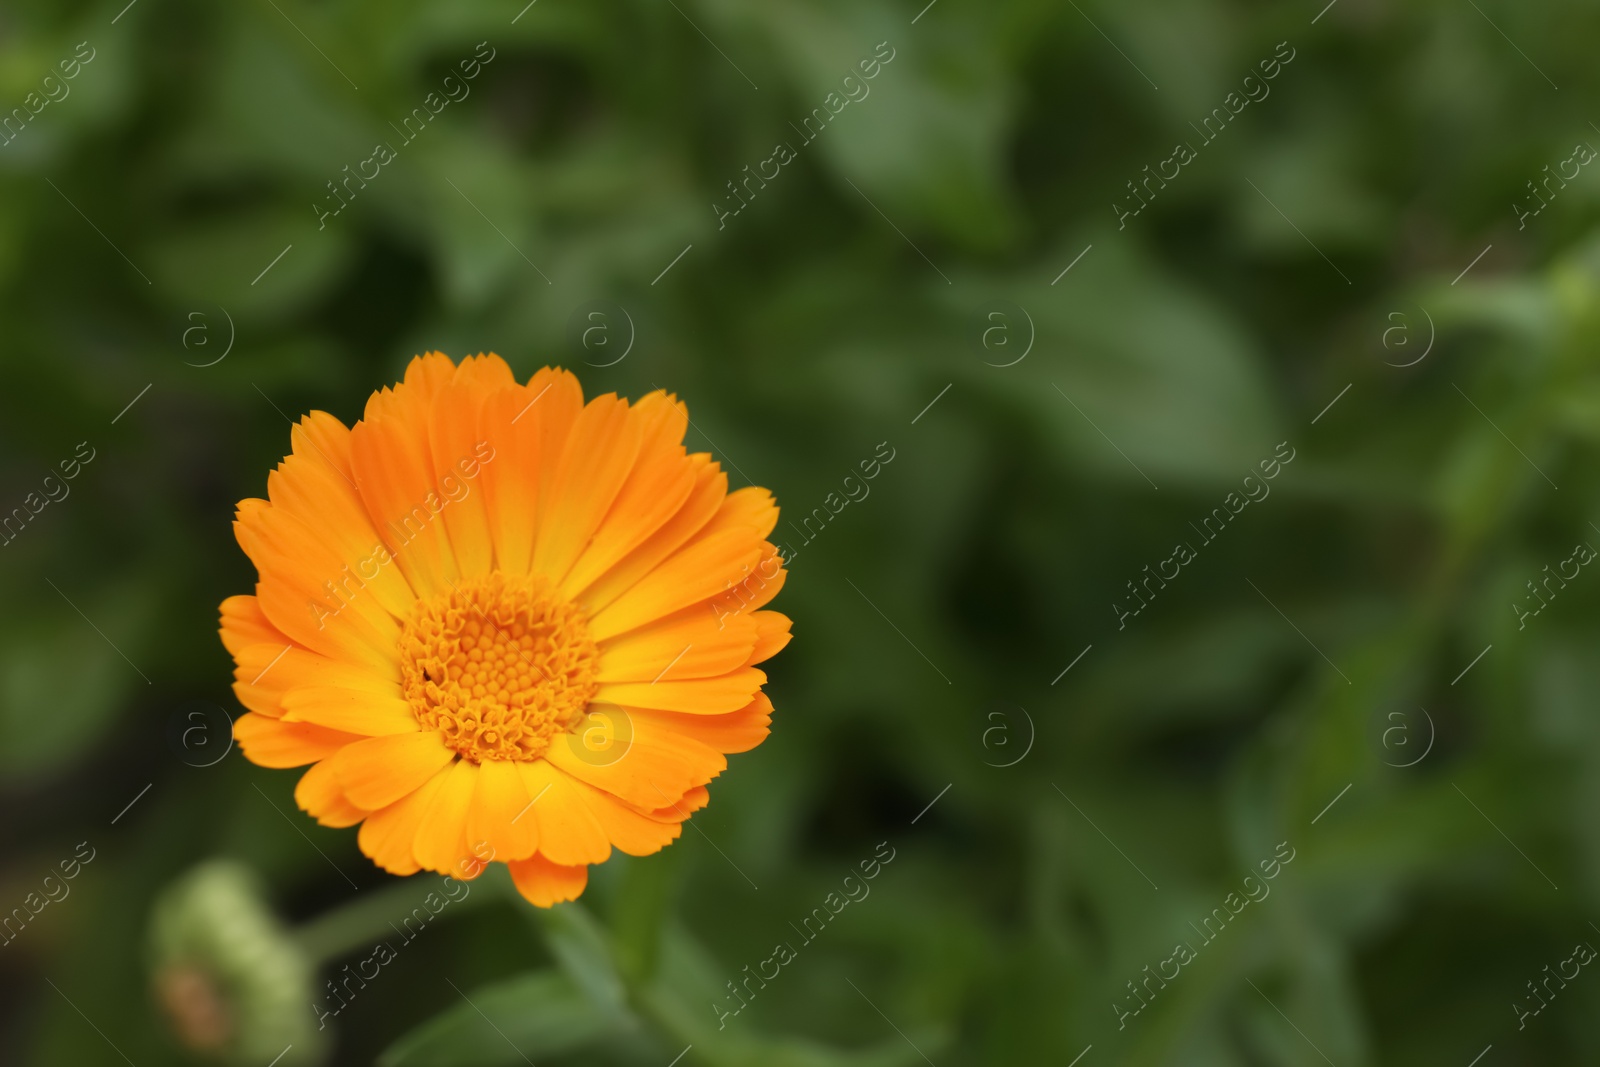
(236, 986)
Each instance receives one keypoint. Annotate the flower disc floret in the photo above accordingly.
(500, 667)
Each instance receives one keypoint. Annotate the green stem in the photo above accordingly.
(375, 916)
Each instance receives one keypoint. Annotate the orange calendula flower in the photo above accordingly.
(500, 624)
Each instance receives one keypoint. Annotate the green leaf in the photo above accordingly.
(541, 1013)
(580, 945)
(1124, 353)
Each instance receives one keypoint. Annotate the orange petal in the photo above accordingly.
(750, 508)
(755, 590)
(441, 842)
(388, 837)
(245, 624)
(509, 422)
(699, 696)
(459, 452)
(599, 453)
(320, 796)
(629, 829)
(710, 488)
(269, 743)
(425, 375)
(679, 811)
(655, 490)
(350, 710)
(325, 437)
(265, 673)
(377, 771)
(295, 569)
(700, 571)
(568, 830)
(693, 643)
(282, 667)
(774, 629)
(395, 473)
(737, 731)
(266, 698)
(559, 402)
(500, 815)
(633, 755)
(314, 490)
(544, 883)
(527, 426)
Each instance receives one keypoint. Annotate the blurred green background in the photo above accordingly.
(1082, 422)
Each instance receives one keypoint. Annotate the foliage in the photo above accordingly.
(1326, 637)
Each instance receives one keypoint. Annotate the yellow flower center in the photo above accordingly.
(500, 666)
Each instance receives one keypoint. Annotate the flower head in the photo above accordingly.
(503, 625)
